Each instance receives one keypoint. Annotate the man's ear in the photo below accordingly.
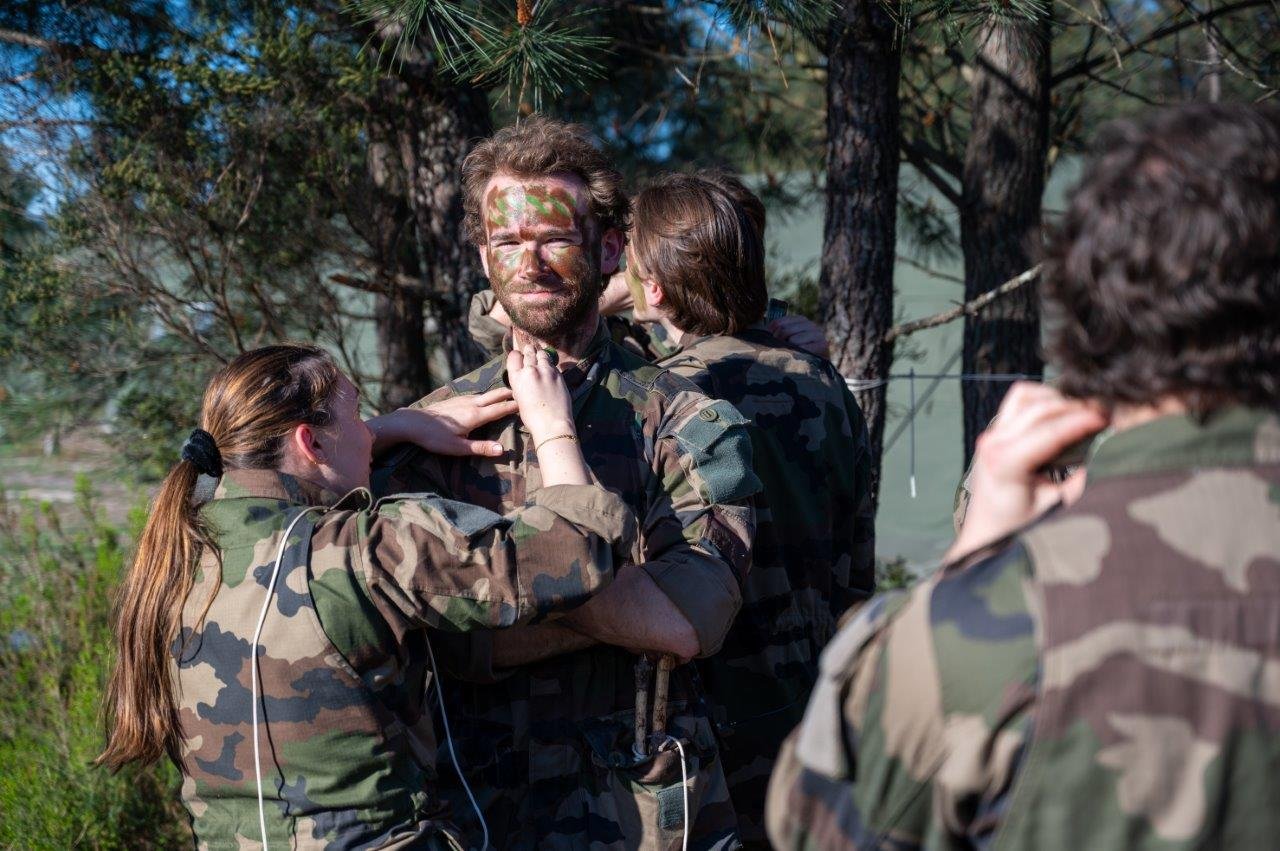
(612, 243)
(306, 442)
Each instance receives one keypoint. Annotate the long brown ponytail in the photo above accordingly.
(250, 407)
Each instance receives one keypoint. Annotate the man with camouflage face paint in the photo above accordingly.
(547, 730)
(1108, 675)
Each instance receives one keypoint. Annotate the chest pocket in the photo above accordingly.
(716, 441)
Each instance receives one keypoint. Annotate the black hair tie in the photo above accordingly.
(202, 452)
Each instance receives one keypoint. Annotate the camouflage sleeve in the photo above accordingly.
(431, 561)
(813, 801)
(915, 730)
(698, 531)
(483, 328)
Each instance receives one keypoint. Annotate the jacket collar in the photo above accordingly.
(272, 484)
(1231, 437)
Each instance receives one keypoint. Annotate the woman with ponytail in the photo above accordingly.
(273, 628)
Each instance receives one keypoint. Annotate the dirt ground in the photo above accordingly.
(26, 472)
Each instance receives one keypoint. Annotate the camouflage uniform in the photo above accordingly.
(814, 545)
(348, 750)
(1109, 678)
(548, 746)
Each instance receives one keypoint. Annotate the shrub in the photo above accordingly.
(58, 571)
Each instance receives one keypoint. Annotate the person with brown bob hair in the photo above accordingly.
(273, 625)
(692, 236)
(1095, 663)
(696, 267)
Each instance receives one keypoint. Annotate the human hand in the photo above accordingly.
(803, 333)
(1009, 487)
(616, 297)
(444, 426)
(539, 391)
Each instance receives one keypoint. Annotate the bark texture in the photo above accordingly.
(409, 213)
(859, 232)
(441, 122)
(1003, 182)
(383, 219)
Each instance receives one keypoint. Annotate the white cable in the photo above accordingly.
(253, 670)
(684, 782)
(453, 755)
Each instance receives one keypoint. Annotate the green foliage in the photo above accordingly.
(892, 574)
(151, 420)
(58, 569)
(198, 217)
(536, 57)
(799, 288)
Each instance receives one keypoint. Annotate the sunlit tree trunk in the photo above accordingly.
(856, 283)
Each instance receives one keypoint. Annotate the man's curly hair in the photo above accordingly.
(537, 147)
(1163, 277)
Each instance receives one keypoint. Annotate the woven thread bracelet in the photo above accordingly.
(538, 446)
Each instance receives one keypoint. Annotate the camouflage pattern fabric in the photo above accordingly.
(348, 748)
(1110, 678)
(649, 340)
(814, 548)
(548, 746)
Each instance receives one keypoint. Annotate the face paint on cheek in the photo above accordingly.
(504, 263)
(575, 263)
(636, 286)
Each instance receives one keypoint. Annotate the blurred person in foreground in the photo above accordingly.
(1103, 673)
(264, 549)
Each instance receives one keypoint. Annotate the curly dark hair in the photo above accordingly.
(1163, 277)
(536, 147)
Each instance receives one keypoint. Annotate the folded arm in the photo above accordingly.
(434, 562)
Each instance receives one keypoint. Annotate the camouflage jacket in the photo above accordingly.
(348, 750)
(814, 547)
(548, 746)
(1109, 678)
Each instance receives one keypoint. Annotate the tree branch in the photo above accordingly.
(1087, 65)
(969, 308)
(922, 165)
(398, 282)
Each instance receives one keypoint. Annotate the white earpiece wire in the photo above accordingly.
(253, 669)
(453, 754)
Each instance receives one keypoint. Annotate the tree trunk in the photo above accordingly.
(382, 217)
(1004, 174)
(402, 349)
(441, 122)
(858, 242)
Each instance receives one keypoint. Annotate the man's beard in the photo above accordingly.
(561, 316)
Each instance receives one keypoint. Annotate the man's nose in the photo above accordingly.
(530, 261)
